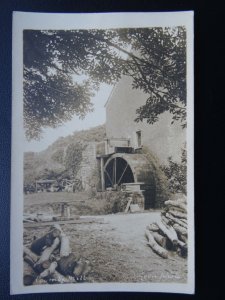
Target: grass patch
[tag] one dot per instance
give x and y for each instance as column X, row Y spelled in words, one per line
column 81, row 203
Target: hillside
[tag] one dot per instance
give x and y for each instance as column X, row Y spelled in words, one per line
column 36, row 164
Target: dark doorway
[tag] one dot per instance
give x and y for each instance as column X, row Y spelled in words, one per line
column 149, row 195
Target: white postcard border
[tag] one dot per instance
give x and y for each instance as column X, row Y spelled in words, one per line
column 21, row 21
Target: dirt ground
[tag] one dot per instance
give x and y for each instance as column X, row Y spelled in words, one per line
column 117, row 249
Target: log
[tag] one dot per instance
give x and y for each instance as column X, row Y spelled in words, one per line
column 30, row 217
column 166, row 221
column 40, row 217
column 65, row 249
column 29, row 253
column 182, row 237
column 178, row 214
column 81, row 270
column 153, row 227
column 28, row 221
column 78, row 269
column 58, row 227
column 46, row 240
column 156, row 247
column 128, row 205
column 44, row 218
column 61, row 219
column 179, row 196
column 29, row 275
column 50, row 270
column 182, row 249
column 172, row 208
column 37, row 268
column 176, row 203
column 176, row 220
column 181, row 244
column 39, row 281
column 86, row 270
column 183, row 252
column 46, row 264
column 57, row 278
column 161, row 240
column 29, row 260
column 184, row 221
column 48, row 251
column 169, row 232
column 81, row 220
column 66, row 264
column 179, row 229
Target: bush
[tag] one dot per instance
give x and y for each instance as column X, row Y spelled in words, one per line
column 176, row 172
column 58, row 156
column 116, row 201
column 73, row 157
column 162, row 192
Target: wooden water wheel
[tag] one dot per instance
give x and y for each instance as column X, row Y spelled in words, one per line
column 127, row 168
column 117, row 171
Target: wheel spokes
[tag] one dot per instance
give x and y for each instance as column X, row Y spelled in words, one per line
column 122, row 174
column 109, row 177
column 114, row 170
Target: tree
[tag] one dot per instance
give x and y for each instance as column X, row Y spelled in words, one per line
column 177, row 173
column 73, row 158
column 49, row 174
column 58, row 156
column 63, row 70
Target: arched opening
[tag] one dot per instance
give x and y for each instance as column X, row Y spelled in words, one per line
column 135, row 173
column 116, row 172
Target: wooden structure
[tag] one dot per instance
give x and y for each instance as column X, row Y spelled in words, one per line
column 125, row 169
column 44, row 185
column 113, row 145
column 68, row 185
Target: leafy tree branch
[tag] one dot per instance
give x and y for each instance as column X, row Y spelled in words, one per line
column 64, row 68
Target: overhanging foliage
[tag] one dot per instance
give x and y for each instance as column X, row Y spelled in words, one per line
column 63, row 70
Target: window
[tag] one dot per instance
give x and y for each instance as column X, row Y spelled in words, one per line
column 138, row 138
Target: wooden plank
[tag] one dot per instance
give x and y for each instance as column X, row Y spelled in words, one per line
column 78, row 221
column 108, row 177
column 122, row 174
column 102, row 174
column 128, row 205
column 115, row 172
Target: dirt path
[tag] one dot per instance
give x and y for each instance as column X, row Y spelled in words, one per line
column 122, row 254
column 130, row 228
column 117, row 248
column 118, row 251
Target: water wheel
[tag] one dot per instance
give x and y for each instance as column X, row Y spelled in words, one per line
column 117, row 171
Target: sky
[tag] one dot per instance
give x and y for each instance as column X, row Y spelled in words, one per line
column 95, row 118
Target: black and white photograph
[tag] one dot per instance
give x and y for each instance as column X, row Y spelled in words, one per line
column 102, row 192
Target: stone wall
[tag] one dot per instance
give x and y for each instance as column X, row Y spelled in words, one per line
column 88, row 173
